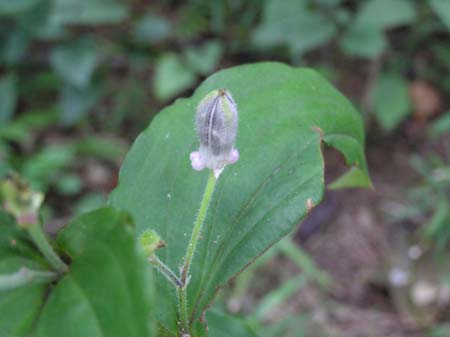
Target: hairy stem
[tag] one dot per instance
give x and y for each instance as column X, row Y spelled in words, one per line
column 25, row 276
column 165, row 270
column 209, row 189
column 46, row 249
column 198, row 224
column 183, row 308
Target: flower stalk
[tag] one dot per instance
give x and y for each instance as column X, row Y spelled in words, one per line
column 216, row 126
column 40, row 239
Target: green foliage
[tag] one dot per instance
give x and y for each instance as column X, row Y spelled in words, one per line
column 391, row 100
column 8, row 95
column 247, row 281
column 295, row 24
column 222, row 325
column 440, row 126
column 442, row 10
column 175, row 74
column 365, row 35
column 151, row 28
column 93, row 12
column 19, row 307
column 105, row 261
column 255, row 202
column 172, row 77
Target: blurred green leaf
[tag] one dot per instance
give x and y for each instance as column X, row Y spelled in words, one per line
column 8, row 96
column 75, row 103
column 75, row 62
column 385, row 14
column 365, row 42
column 280, row 294
column 151, row 29
column 92, row 12
column 46, row 166
column 105, row 292
column 171, row 77
column 89, row 202
column 104, row 148
column 13, row 47
column 442, row 9
column 391, row 100
column 204, row 59
column 69, row 184
column 364, row 37
column 304, row 262
column 440, row 126
column 222, row 325
column 292, row 23
column 14, row 7
column 437, row 228
column 22, row 127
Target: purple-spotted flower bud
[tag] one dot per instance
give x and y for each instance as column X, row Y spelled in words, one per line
column 216, row 124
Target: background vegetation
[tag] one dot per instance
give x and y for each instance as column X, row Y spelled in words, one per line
column 80, row 79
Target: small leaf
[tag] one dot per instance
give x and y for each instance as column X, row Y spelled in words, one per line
column 151, row 29
column 204, row 59
column 75, row 103
column 294, row 24
column 385, row 14
column 104, row 293
column 172, row 77
column 353, row 178
column 391, row 100
column 75, row 62
column 442, row 10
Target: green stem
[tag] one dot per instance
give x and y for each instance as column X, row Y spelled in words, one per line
column 209, row 189
column 25, row 276
column 165, row 270
column 182, row 302
column 46, row 249
column 182, row 291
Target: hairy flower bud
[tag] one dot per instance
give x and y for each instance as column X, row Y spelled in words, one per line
column 216, row 126
column 150, row 241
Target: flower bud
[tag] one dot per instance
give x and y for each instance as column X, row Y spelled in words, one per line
column 216, row 126
column 150, row 241
column 21, row 201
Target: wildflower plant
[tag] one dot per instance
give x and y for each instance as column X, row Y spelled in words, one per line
column 199, row 214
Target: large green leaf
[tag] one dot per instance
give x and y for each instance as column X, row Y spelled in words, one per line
column 104, row 292
column 285, row 114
